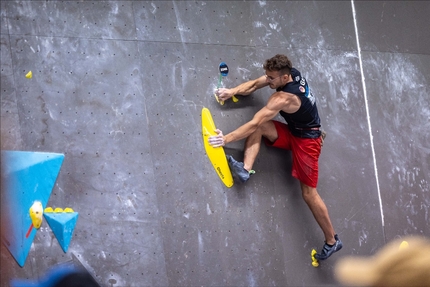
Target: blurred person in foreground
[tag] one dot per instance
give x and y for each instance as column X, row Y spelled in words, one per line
column 402, row 262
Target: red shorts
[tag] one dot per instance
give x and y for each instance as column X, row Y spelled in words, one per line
column 305, row 153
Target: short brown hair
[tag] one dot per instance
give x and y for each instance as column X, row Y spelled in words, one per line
column 279, row 63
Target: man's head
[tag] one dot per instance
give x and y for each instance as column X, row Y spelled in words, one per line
column 278, row 70
column 279, row 63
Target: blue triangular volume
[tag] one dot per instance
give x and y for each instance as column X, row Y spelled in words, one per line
column 62, row 224
column 26, row 177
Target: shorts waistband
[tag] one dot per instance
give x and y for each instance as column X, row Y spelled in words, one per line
column 309, row 129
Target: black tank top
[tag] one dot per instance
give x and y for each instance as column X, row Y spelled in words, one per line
column 304, row 123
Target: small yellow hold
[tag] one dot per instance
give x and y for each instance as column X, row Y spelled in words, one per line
column 235, row 100
column 48, row 210
column 29, row 75
column 216, row 98
column 36, row 214
column 59, row 210
column 314, row 260
column 403, row 245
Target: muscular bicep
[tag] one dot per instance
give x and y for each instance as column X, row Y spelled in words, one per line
column 264, row 115
column 277, row 102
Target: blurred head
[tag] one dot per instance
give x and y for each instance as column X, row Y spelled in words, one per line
column 62, row 275
column 400, row 263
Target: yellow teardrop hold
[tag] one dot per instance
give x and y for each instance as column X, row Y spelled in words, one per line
column 68, row 209
column 36, row 214
column 58, row 209
column 29, row 75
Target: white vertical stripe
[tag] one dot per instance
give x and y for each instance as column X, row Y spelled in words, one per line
column 363, row 81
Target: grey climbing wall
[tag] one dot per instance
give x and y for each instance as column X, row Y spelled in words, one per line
column 118, row 87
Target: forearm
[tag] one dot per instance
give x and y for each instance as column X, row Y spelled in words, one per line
column 261, row 117
column 249, row 87
column 241, row 132
column 244, row 89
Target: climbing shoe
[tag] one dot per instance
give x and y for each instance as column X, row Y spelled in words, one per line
column 238, row 170
column 328, row 250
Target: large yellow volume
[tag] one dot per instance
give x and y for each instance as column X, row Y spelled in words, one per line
column 215, row 154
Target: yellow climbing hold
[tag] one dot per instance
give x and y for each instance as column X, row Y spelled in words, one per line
column 36, row 214
column 59, row 210
column 48, row 210
column 403, row 245
column 314, row 260
column 29, row 75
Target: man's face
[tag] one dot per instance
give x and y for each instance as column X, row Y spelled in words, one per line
column 275, row 79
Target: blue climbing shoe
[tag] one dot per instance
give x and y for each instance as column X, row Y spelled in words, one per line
column 238, row 170
column 328, row 250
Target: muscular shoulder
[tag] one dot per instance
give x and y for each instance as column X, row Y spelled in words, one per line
column 284, row 101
